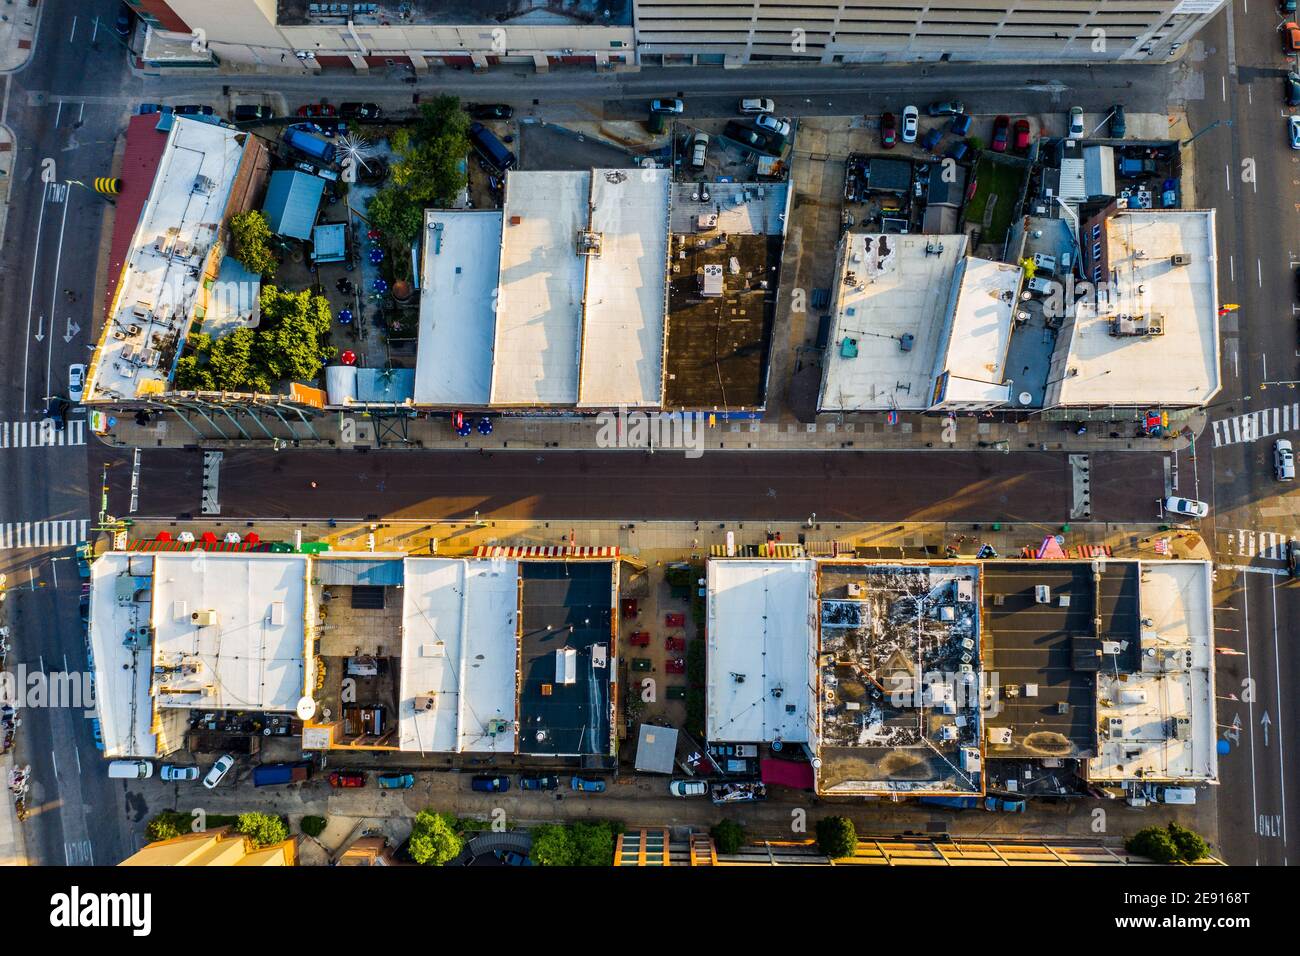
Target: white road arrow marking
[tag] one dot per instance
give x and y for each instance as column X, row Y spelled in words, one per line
column 73, row 329
column 1264, row 722
column 40, row 335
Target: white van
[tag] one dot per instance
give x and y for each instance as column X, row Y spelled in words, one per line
column 1184, row 796
column 130, row 769
column 757, row 105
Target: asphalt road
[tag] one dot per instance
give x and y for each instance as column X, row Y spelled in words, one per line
column 63, row 110
column 1247, row 172
column 630, row 486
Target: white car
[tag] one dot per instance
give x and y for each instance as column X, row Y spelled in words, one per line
column 688, row 788
column 667, row 106
column 769, row 122
column 911, row 122
column 1076, row 122
column 172, row 772
column 76, row 382
column 1186, row 506
column 757, row 105
column 1283, row 460
column 1293, row 131
column 218, row 771
column 699, row 150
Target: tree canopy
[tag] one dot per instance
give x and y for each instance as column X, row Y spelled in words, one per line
column 427, row 170
column 250, row 236
column 264, row 829
column 728, row 836
column 1171, row 844
column 434, row 840
column 837, row 837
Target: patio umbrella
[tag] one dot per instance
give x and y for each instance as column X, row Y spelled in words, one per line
column 464, row 430
column 252, row 538
column 345, row 316
column 376, row 256
column 186, row 537
column 231, row 537
column 163, row 536
column 379, row 285
column 349, row 357
column 209, row 538
column 485, row 426
column 373, row 234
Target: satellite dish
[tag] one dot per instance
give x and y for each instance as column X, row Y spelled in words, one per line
column 306, row 708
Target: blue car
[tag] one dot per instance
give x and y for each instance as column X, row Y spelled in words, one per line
column 549, row 782
column 511, row 858
column 396, row 781
column 931, row 139
column 486, row 784
column 97, row 732
column 961, row 124
column 958, row 151
column 587, row 786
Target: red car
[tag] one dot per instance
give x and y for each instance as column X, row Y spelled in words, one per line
column 1001, row 133
column 315, row 110
column 347, row 778
column 888, row 130
column 1022, row 134
column 676, row 666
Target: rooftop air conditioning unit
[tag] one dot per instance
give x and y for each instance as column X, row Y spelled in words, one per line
column 1180, row 259
column 425, row 702
column 203, row 618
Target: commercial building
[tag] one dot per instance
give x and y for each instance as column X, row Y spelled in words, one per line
column 200, row 175
column 918, row 324
column 899, row 31
column 411, row 34
column 220, row 847
column 1150, row 334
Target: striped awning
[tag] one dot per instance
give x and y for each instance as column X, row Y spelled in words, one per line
column 543, row 551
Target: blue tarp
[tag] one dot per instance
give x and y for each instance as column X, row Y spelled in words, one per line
column 292, row 200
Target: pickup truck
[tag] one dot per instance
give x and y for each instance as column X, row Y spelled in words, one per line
column 1136, row 167
column 275, row 774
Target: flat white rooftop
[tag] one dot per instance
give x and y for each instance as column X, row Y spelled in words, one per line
column 974, row 353
column 120, row 601
column 1178, row 368
column 160, row 283
column 1157, row 724
column 458, row 278
column 761, row 637
column 231, row 630
column 459, row 652
column 625, row 300
column 539, row 306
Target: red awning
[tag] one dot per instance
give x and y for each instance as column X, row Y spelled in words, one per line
column 787, row 773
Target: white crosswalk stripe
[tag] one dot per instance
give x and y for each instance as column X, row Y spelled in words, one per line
column 1253, row 426
column 79, row 853
column 42, row 534
column 41, row 434
column 1246, row 543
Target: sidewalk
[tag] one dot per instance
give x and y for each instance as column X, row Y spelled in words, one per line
column 830, row 433
column 19, row 20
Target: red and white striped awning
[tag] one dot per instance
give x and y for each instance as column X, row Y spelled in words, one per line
column 543, row 551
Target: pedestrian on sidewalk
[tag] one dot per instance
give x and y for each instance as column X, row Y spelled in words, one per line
column 313, row 484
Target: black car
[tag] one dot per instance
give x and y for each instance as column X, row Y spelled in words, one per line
column 248, row 113
column 1293, row 559
column 56, row 411
column 546, row 782
column 1293, row 89
column 125, row 20
column 491, row 111
column 193, row 109
column 946, row 108
column 365, row 112
column 1118, row 125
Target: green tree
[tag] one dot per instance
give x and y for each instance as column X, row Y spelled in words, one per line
column 433, row 839
column 837, row 837
column 232, row 366
column 593, row 843
column 288, row 344
column 397, row 215
column 312, row 826
column 192, row 374
column 250, row 237
column 552, row 846
column 728, row 836
column 1189, row 844
column 428, row 170
column 264, row 829
column 1154, row 843
column 165, row 826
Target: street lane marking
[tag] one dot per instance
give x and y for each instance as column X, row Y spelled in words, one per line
column 41, row 434
column 1247, row 543
column 1253, row 426
column 1281, row 749
column 1275, row 572
column 42, row 534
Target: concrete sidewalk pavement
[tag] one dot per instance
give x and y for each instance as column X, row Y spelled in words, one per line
column 19, row 21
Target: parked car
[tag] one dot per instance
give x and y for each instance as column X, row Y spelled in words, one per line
column 490, row 148
column 769, row 122
column 757, row 105
column 125, row 20
column 83, row 605
column 491, row 111
column 511, row 858
column 315, row 110
column 1292, row 130
column 362, row 112
column 252, row 113
column 396, row 781
column 911, row 124
column 946, row 108
column 219, row 770
column 147, row 109
column 961, row 124
column 1292, row 89
column 1003, row 805
column 1022, row 134
column 489, row 784
column 587, row 785
column 1118, row 124
column 76, row 382
column 1001, row 134
column 888, row 131
column 171, row 772
column 1286, row 6
column 1076, row 122
column 193, row 109
column 699, row 150
column 347, row 778
column 84, row 554
column 688, row 788
column 667, row 106
column 97, row 733
column 930, row 140
column 1186, row 506
column 1290, row 37
column 1293, row 558
column 542, row 782
column 958, row 151
column 1283, row 460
